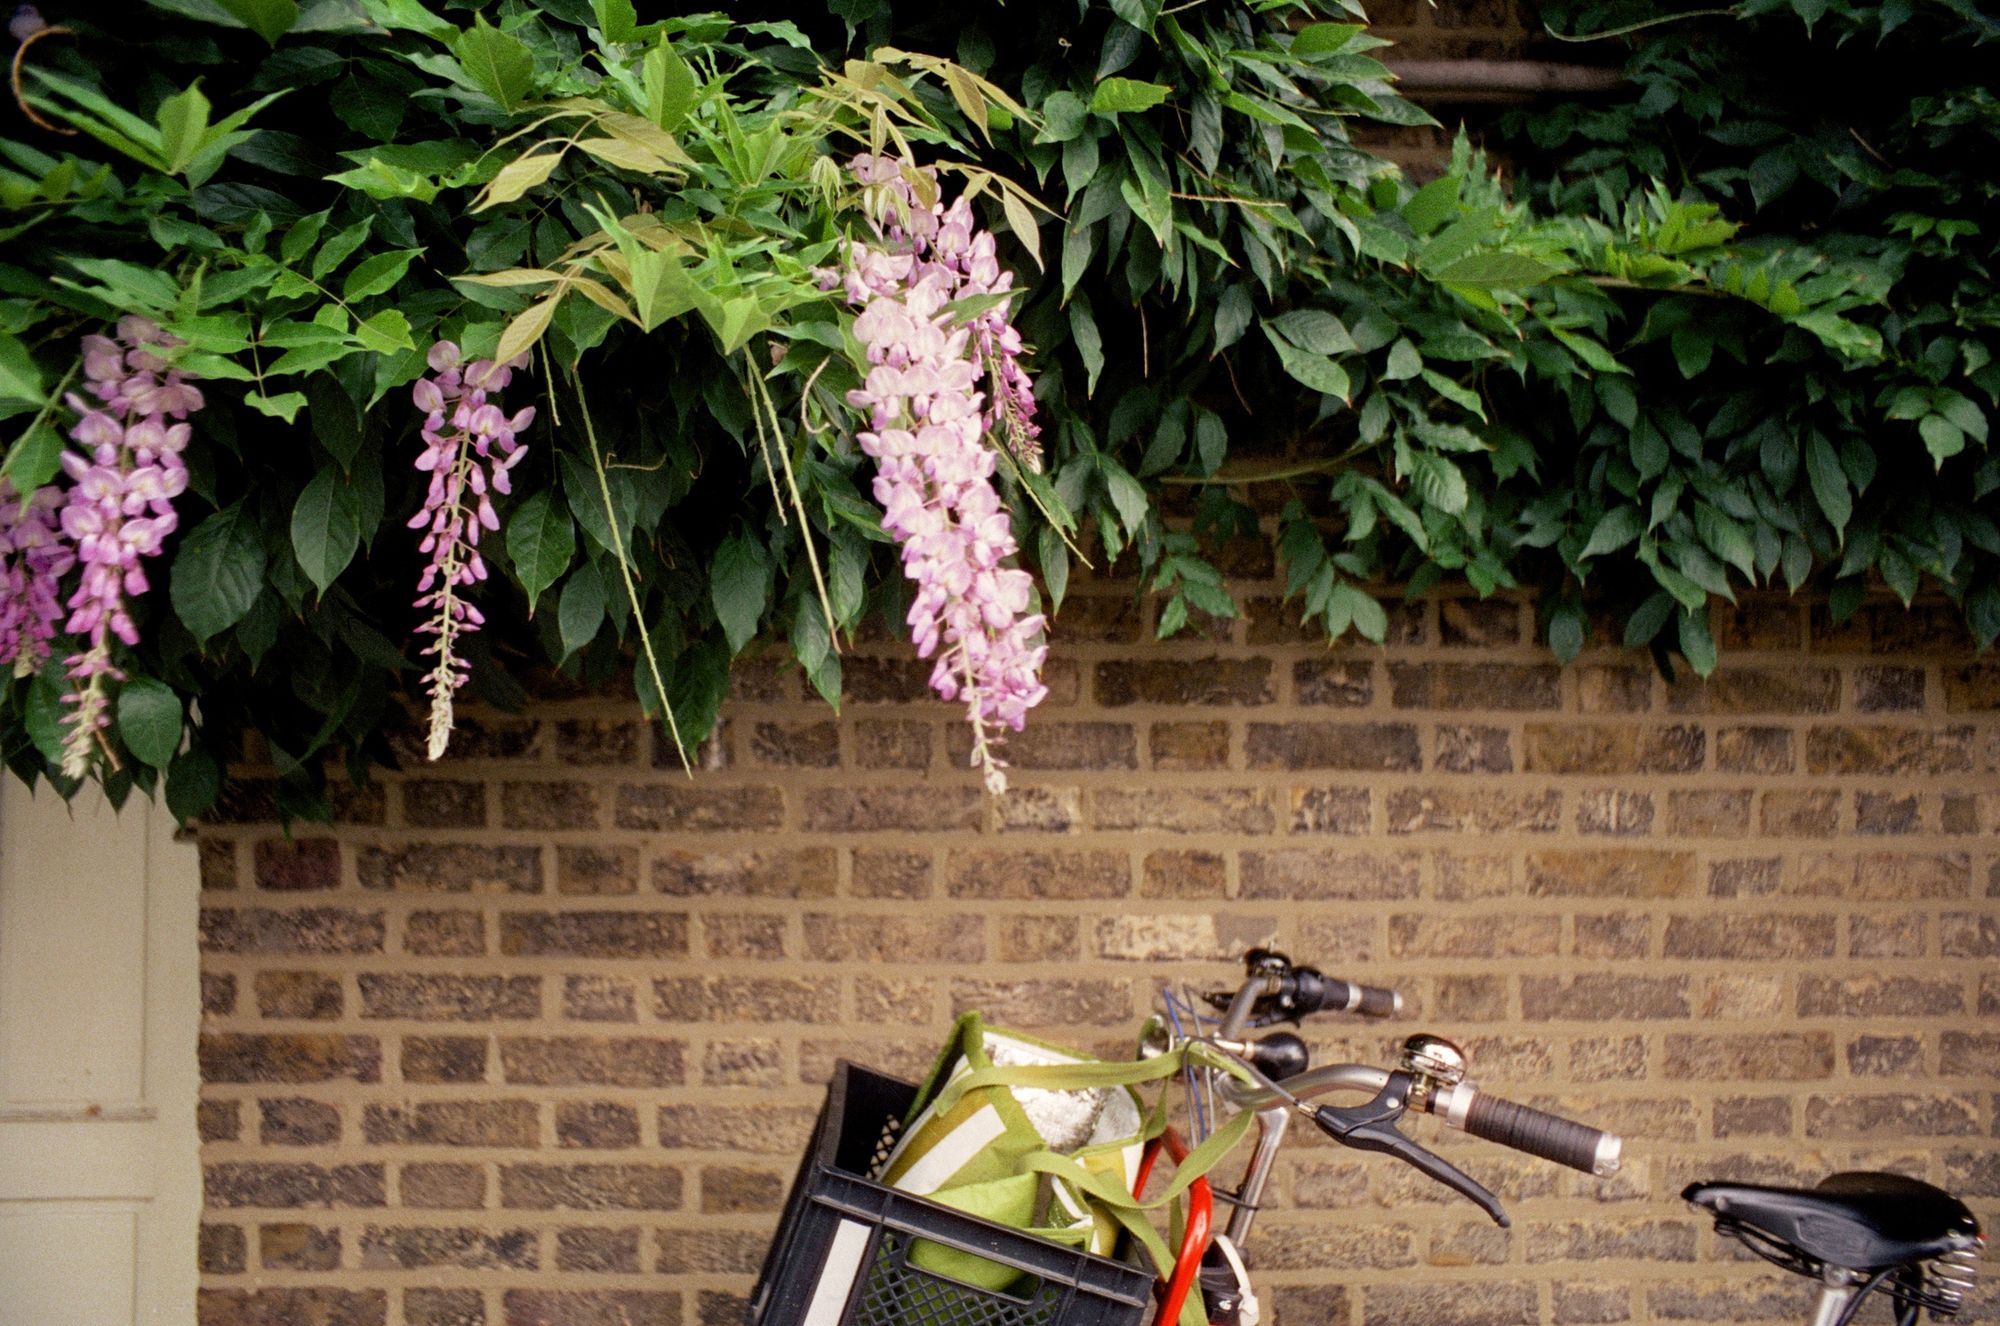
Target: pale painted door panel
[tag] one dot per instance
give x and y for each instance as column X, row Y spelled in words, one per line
column 100, row 1185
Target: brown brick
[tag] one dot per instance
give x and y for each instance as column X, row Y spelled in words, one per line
column 1038, row 809
column 1748, row 877
column 443, row 1307
column 989, row 874
column 1589, row 748
column 600, row 999
column 297, row 865
column 1975, row 688
column 1460, row 877
column 1037, row 939
column 1755, row 937
column 289, row 1057
column 1886, row 1056
column 1478, row 623
column 1895, row 936
column 732, row 1189
column 1472, row 810
column 295, row 931
column 1429, row 936
column 1969, row 935
column 1890, row 750
column 1503, row 686
column 1709, row 813
column 624, row 1061
column 1184, row 810
column 444, row 1058
column 1356, row 747
column 582, row 1187
column 1590, row 1303
column 1209, row 681
column 445, row 934
column 216, row 858
column 1181, row 747
column 1469, row 748
column 1900, row 1115
column 1602, row 998
column 771, row 1130
column 1337, row 683
column 898, row 680
column 1617, row 935
column 594, row 870
column 1754, row 625
column 1310, row 1305
column 1753, row 1116
column 1970, row 1054
column 219, row 1120
column 1613, row 689
column 451, row 868
column 439, row 1186
column 1754, row 750
column 672, row 808
column 1758, row 690
column 808, row 872
column 294, row 1121
column 1607, row 1058
column 1471, row 998
column 1878, row 996
column 594, row 934
column 890, row 873
column 1157, row 938
column 298, row 994
column 1610, row 873
column 450, row 998
column 871, row 809
column 270, row 1184
column 1052, row 1003
column 751, row 936
column 747, row 1062
column 613, row 1251
column 1888, row 689
column 892, row 743
column 911, row 999
column 1056, row 746
column 1765, row 1056
column 444, row 803
column 320, row 1306
column 590, row 1307
column 596, row 1124
column 1770, row 1297
column 1336, row 810
column 1315, row 874
column 1318, row 1244
column 1799, row 814
column 218, row 994
column 389, row 1247
column 494, row 1123
column 874, row 939
column 795, row 745
column 220, row 1250
column 1190, row 874
column 1608, row 1240
column 710, row 1251
column 1610, row 813
column 1498, row 1303
column 1896, row 876
column 754, row 999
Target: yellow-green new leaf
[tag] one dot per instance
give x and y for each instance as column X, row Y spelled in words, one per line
column 526, row 328
column 530, row 170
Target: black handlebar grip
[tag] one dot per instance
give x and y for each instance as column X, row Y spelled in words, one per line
column 1546, row 1135
column 1313, row 993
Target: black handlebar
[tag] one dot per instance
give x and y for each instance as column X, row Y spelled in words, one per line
column 1313, row 992
column 1538, row 1133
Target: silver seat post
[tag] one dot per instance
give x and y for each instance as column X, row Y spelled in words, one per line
column 1837, row 1290
column 1272, row 1121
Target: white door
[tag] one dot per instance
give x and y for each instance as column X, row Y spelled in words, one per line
column 100, row 1181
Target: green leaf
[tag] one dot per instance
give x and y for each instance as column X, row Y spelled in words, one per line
column 1567, row 631
column 217, row 573
column 269, row 19
column 1726, row 539
column 1646, row 621
column 1496, row 270
column 1697, row 645
column 1942, row 438
column 1089, row 343
column 738, row 585
column 20, row 376
column 149, row 720
column 287, row 405
column 1127, row 495
column 1315, row 371
column 183, row 121
column 1324, row 38
column 528, row 171
column 34, row 458
column 374, row 275
column 1616, row 528
column 499, row 64
column 581, row 609
column 1313, row 330
column 326, row 528
column 541, row 540
column 340, row 248
column 194, row 781
column 671, row 87
column 616, row 19
column 1116, row 96
column 1829, row 482
column 1404, row 361
column 1432, row 205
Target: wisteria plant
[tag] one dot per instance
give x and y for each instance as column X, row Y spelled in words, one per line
column 631, row 346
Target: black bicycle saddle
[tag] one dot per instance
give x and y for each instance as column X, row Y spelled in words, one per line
column 1862, row 1221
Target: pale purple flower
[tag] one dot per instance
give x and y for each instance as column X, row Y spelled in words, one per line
column 33, row 558
column 470, row 451
column 927, row 429
column 120, row 505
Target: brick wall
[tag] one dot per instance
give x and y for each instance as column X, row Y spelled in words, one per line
column 534, row 1036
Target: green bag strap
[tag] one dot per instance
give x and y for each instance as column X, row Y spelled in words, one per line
column 1088, row 1075
column 1199, row 1161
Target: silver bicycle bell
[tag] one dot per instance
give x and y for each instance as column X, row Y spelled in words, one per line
column 1433, row 1059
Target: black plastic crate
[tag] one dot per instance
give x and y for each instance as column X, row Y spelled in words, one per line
column 841, row 1255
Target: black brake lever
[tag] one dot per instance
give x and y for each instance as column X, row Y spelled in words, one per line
column 1372, row 1127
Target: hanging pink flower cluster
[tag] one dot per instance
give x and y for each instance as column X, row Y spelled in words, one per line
column 33, row 558
column 934, row 470
column 918, row 240
column 470, row 452
column 120, row 504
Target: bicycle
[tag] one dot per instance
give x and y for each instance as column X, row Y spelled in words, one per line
column 1856, row 1233
column 842, row 1256
column 1430, row 1077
